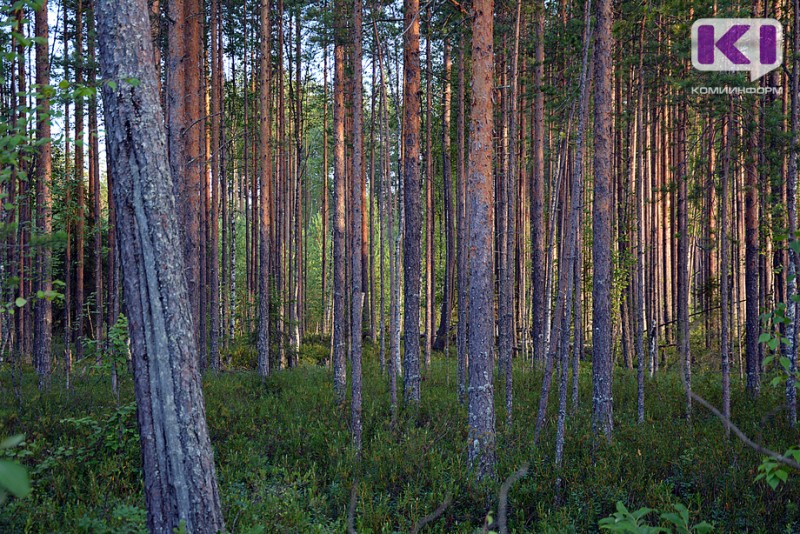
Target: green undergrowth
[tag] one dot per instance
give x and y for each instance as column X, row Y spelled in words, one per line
column 284, row 463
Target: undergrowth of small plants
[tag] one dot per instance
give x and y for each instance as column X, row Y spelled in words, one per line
column 284, row 463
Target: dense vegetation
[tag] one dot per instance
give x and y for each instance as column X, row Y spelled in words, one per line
column 494, row 265
column 284, row 463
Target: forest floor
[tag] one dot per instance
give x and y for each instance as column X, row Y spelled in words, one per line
column 284, row 462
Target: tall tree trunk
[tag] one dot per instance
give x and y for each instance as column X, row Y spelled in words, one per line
column 683, row 260
column 177, row 459
column 80, row 217
column 182, row 108
column 411, row 206
column 540, row 300
column 602, row 362
column 43, row 307
column 216, row 177
column 507, row 276
column 462, row 222
column 443, row 334
column 325, row 213
column 339, row 192
column 571, row 242
column 67, row 324
column 429, row 225
column 793, row 329
column 265, row 155
column 94, row 185
column 357, row 292
column 480, row 212
column 724, row 262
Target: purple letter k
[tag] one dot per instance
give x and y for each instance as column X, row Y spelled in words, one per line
column 726, row 44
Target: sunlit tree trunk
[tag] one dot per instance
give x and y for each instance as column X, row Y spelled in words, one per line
column 480, row 212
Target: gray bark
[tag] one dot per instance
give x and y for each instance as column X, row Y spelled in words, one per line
column 177, row 460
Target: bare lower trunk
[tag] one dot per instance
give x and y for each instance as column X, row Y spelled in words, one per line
column 480, row 212
column 265, row 198
column 411, row 206
column 43, row 307
column 177, row 460
column 602, row 408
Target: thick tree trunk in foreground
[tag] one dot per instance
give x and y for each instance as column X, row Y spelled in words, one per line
column 602, row 363
column 412, row 207
column 480, row 212
column 178, row 463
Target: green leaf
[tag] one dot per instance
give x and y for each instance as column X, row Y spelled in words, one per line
column 765, row 337
column 20, row 302
column 14, row 478
column 12, row 441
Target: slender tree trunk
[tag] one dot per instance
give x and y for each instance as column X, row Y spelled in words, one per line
column 264, row 219
column 357, row 292
column 339, row 178
column 325, row 213
column 443, row 334
column 80, row 218
column 752, row 264
column 683, row 261
column 723, row 284
column 177, row 459
column 68, row 223
column 462, row 222
column 411, row 206
column 429, row 225
column 94, row 184
column 571, row 243
column 793, row 329
column 43, row 307
column 216, row 177
column 480, row 212
column 540, row 299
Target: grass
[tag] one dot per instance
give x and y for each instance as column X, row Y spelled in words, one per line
column 284, row 463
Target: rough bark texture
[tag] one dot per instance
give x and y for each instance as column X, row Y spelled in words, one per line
column 480, row 211
column 43, row 308
column 177, row 460
column 751, row 252
column 602, row 407
column 411, row 207
column 357, row 298
column 791, row 194
column 538, row 229
column 339, row 192
column 264, row 205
